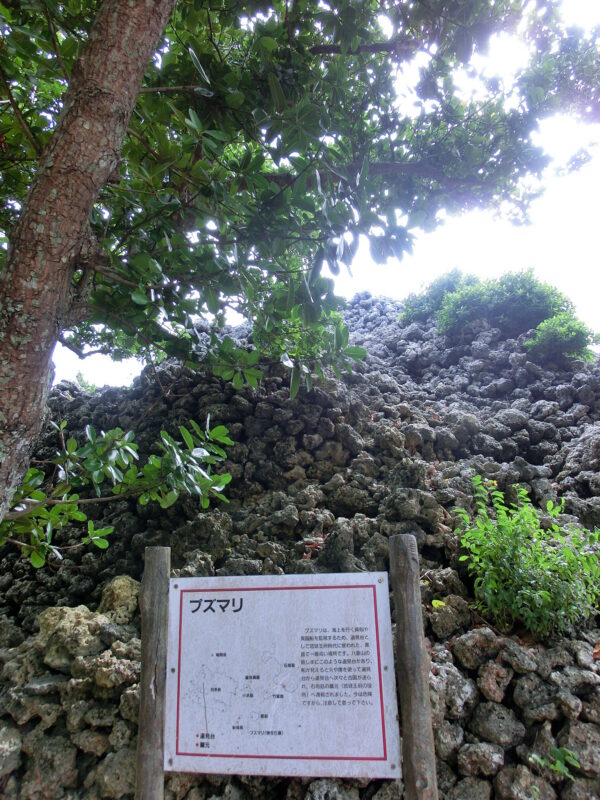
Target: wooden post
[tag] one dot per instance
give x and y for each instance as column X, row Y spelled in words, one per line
column 154, row 605
column 412, row 670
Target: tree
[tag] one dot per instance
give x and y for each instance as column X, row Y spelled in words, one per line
column 163, row 162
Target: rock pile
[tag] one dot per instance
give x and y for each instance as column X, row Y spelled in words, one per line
column 319, row 484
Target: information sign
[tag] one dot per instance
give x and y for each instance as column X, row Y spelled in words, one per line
column 282, row 675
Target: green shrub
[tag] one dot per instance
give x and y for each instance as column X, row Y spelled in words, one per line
column 419, row 307
column 561, row 337
column 545, row 579
column 514, row 303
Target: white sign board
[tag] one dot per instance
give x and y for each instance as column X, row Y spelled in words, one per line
column 282, row 675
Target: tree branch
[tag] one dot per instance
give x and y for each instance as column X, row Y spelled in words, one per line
column 191, row 87
column 79, row 502
column 20, row 118
column 77, row 350
column 55, row 43
column 399, row 46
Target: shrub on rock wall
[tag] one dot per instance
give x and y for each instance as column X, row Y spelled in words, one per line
column 418, row 307
column 548, row 580
column 514, row 303
column 560, row 338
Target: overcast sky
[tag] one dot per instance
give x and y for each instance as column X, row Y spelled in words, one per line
column 560, row 243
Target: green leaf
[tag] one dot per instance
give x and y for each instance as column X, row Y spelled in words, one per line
column 99, row 542
column 268, row 44
column 276, row 91
column 37, row 559
column 139, row 296
column 187, row 437
column 194, row 120
column 235, row 99
column 357, row 353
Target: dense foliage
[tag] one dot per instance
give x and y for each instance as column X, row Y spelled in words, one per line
column 266, row 139
column 545, row 578
column 419, row 306
column 514, row 303
column 561, row 338
column 57, row 493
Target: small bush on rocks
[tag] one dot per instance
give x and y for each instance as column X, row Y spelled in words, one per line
column 560, row 338
column 514, row 303
column 418, row 307
column 547, row 580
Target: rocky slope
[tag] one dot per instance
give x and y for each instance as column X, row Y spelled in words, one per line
column 320, row 483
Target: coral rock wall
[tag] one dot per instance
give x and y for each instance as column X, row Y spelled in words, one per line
column 320, row 483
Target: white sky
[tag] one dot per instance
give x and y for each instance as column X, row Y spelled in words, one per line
column 560, row 243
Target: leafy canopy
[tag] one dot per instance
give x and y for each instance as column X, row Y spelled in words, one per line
column 267, row 138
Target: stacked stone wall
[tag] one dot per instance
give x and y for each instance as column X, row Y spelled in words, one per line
column 319, row 485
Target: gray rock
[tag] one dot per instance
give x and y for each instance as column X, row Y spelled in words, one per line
column 480, row 759
column 513, row 419
column 45, row 684
column 470, row 789
column 443, row 582
column 51, row 766
column 115, row 775
column 452, row 694
column 554, row 657
column 448, row 737
column 497, row 724
column 518, row 783
column 583, row 738
column 475, row 647
column 536, row 699
column 591, row 707
column 10, row 749
column 453, row 616
column 69, row 632
column 331, row 790
column 578, row 681
column 129, row 703
column 521, row 659
column 349, row 438
column 581, row 789
column 493, row 679
column 390, row 791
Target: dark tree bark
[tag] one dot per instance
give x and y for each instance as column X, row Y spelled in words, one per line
column 53, row 237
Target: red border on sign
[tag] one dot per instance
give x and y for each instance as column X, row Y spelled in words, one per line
column 280, row 757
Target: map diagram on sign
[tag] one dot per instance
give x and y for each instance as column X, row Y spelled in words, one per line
column 248, row 695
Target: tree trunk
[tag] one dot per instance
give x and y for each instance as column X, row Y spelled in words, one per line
column 53, row 237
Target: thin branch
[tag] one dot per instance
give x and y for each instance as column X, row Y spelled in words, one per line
column 77, row 350
column 398, row 46
column 192, row 87
column 81, row 501
column 147, row 146
column 55, row 43
column 211, row 35
column 20, row 118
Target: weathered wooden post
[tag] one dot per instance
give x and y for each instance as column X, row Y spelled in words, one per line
column 418, row 753
column 154, row 605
